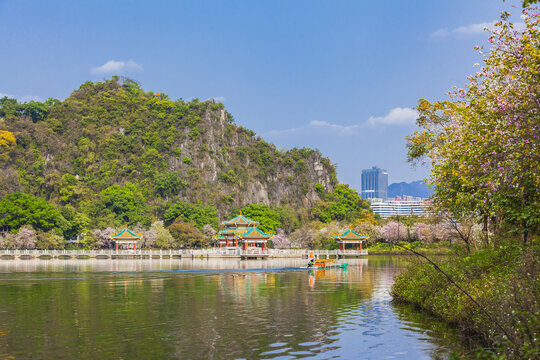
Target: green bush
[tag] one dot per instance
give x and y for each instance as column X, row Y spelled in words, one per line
column 504, row 281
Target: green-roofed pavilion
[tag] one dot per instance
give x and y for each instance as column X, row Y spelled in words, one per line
column 240, row 221
column 126, row 239
column 242, row 232
column 350, row 237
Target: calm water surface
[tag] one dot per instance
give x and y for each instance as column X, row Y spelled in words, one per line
column 210, row 309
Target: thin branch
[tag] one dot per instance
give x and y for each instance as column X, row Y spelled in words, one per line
column 460, row 288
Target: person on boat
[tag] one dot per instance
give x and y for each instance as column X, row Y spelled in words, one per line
column 311, row 261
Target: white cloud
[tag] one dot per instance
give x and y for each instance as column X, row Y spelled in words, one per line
column 439, row 33
column 342, row 129
column 113, row 66
column 286, row 131
column 472, row 29
column 316, row 124
column 23, row 98
column 396, row 116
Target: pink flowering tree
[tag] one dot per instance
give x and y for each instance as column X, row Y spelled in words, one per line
column 25, row 238
column 484, row 143
column 149, row 236
column 424, row 233
column 102, row 237
column 394, row 232
column 442, row 232
column 7, row 240
column 281, row 240
column 302, row 238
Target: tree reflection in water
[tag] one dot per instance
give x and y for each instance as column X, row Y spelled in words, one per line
column 210, row 309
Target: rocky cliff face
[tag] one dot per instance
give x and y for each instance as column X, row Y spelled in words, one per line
column 112, row 132
column 237, row 162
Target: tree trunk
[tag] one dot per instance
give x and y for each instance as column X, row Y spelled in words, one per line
column 485, row 231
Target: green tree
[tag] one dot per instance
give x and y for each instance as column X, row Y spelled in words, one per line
column 186, row 234
column 169, row 184
column 198, row 213
column 78, row 222
column 37, row 111
column 127, row 203
column 8, row 107
column 19, row 209
column 164, row 239
column 49, row 240
column 343, row 203
column 267, row 217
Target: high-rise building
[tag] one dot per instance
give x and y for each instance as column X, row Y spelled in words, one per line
column 374, row 183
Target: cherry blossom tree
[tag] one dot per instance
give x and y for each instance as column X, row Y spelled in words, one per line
column 7, row 240
column 149, row 236
column 102, row 237
column 424, row 233
column 302, row 238
column 394, row 232
column 25, row 238
column 281, row 240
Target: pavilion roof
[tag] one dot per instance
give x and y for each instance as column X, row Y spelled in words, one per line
column 351, row 235
column 251, row 233
column 233, row 231
column 240, row 220
column 126, row 234
column 256, row 233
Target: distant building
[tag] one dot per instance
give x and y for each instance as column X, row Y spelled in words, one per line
column 374, row 183
column 402, row 206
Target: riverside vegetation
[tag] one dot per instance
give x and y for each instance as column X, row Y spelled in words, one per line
column 484, row 149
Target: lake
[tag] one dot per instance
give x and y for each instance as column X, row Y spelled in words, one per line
column 211, row 309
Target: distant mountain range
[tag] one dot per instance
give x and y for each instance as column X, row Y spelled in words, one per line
column 415, row 188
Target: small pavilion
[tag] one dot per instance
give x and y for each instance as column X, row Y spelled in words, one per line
column 242, row 232
column 126, row 239
column 350, row 237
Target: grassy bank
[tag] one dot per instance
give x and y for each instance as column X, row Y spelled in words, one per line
column 438, row 248
column 504, row 281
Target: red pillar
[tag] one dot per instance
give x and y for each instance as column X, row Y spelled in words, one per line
column 227, row 242
column 220, row 244
column 135, row 245
column 360, row 245
column 117, row 246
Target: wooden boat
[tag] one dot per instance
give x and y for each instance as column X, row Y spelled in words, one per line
column 327, row 264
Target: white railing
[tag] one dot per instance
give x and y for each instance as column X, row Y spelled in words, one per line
column 185, row 252
column 90, row 252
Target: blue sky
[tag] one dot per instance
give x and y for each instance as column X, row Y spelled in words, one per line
column 340, row 76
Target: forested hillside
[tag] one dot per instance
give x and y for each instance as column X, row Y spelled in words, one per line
column 113, row 154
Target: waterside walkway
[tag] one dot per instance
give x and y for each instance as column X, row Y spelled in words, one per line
column 256, row 253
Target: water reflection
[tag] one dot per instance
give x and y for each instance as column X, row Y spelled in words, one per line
column 220, row 309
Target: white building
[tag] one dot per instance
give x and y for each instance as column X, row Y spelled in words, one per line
column 402, row 206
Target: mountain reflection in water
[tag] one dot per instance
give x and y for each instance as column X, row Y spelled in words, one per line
column 210, row 309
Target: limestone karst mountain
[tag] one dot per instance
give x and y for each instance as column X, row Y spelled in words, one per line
column 112, row 134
